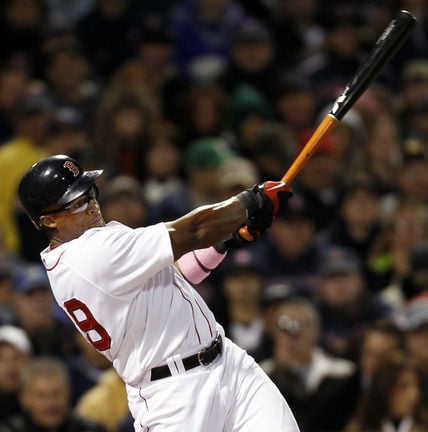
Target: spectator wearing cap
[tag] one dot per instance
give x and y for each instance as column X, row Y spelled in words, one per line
column 381, row 151
column 238, row 306
column 49, row 331
column 204, row 112
column 68, row 74
column 202, row 159
column 346, row 304
column 331, row 67
column 252, row 61
column 204, row 33
column 413, row 94
column 27, row 146
column 163, row 170
column 15, row 352
column 122, row 200
column 320, row 179
column 274, row 148
column 155, row 63
column 347, row 138
column 155, row 46
column 21, row 30
column 290, row 253
column 301, row 368
column 296, row 29
column 402, row 229
column 296, row 103
column 358, row 220
column 236, row 174
column 412, row 176
column 418, row 121
column 272, row 297
column 107, row 34
column 68, row 133
column 250, row 112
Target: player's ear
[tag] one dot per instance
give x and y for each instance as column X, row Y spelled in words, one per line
column 48, row 221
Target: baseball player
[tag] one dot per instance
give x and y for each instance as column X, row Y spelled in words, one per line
column 129, row 292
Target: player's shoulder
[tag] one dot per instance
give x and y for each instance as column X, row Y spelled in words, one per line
column 114, row 233
column 108, row 240
column 106, row 234
column 111, row 228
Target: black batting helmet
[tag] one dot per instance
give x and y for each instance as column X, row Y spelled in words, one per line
column 55, row 180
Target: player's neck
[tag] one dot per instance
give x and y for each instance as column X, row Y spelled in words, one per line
column 55, row 242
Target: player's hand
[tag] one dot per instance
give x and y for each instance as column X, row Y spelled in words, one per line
column 265, row 199
column 278, row 193
column 256, row 225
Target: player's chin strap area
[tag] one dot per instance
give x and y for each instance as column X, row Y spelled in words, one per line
column 202, row 358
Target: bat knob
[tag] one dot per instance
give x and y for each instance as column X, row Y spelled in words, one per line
column 245, row 234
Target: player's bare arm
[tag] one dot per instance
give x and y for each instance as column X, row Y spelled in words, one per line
column 209, row 225
column 206, row 226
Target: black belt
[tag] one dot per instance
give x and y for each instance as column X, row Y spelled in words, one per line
column 202, row 358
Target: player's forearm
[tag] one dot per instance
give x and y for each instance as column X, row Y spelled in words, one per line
column 206, row 226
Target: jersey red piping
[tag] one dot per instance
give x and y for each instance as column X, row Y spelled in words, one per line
column 51, row 268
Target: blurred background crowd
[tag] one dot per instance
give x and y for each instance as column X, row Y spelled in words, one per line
column 185, row 103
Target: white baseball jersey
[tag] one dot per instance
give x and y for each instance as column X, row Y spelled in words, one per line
column 120, row 288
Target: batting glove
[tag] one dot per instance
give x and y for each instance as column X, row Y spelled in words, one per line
column 262, row 203
column 265, row 199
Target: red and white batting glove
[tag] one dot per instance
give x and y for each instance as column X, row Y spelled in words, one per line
column 265, row 199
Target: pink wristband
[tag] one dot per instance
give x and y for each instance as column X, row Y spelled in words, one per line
column 209, row 257
column 190, row 268
column 194, row 265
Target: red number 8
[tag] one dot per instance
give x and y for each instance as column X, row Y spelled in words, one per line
column 88, row 323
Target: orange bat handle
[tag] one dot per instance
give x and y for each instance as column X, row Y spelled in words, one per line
column 324, row 129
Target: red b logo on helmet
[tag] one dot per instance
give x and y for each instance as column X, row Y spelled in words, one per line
column 72, row 167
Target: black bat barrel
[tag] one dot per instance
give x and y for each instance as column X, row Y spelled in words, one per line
column 386, row 46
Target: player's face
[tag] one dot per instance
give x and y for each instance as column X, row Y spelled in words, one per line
column 73, row 219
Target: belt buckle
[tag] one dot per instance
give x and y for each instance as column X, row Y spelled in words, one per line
column 216, row 342
column 201, row 360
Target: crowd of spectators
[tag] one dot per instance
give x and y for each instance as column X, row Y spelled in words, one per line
column 185, row 103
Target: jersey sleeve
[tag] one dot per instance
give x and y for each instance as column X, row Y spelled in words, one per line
column 128, row 257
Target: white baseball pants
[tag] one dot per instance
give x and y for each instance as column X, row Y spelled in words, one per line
column 232, row 394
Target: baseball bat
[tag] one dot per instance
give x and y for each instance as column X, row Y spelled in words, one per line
column 385, row 47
